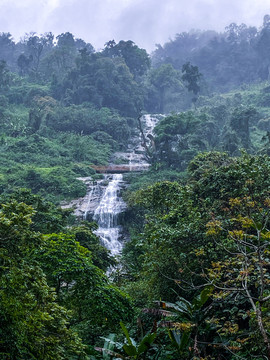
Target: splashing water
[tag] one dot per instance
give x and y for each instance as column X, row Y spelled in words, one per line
column 94, row 193
column 107, row 213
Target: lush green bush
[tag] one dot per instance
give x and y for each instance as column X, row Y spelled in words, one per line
column 185, row 237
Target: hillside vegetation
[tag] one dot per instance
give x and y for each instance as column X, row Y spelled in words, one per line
column 194, row 280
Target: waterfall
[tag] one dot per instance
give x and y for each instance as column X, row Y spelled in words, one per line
column 107, row 212
column 90, row 195
column 104, row 202
column 93, row 195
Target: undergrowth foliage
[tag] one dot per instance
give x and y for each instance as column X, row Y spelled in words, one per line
column 194, row 276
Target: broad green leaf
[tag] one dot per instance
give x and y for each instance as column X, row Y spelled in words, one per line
column 125, row 331
column 184, row 340
column 201, row 299
column 130, row 350
column 146, row 343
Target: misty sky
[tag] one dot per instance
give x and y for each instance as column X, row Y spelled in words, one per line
column 146, row 22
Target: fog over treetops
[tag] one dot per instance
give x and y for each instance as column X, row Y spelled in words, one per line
column 144, row 22
column 134, row 182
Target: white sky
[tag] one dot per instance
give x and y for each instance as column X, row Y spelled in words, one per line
column 146, row 22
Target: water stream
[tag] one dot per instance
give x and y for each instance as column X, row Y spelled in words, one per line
column 94, row 193
column 107, row 213
column 111, row 204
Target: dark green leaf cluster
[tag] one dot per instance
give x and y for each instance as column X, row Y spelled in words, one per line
column 50, row 290
column 212, row 231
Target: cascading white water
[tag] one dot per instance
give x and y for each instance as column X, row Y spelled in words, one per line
column 106, row 215
column 150, row 123
column 111, row 204
column 93, row 194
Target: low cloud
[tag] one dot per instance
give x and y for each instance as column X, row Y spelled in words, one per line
column 146, row 22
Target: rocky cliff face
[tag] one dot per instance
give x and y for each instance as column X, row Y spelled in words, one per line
column 85, row 206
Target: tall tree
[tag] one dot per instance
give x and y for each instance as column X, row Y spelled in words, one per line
column 5, row 76
column 191, row 76
column 164, row 79
column 137, row 59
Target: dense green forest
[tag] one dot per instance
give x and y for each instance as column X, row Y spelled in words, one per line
column 193, row 281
